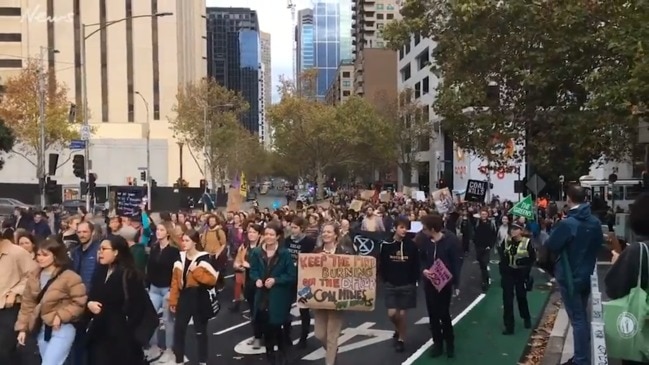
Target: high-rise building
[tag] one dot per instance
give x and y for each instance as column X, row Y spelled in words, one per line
column 266, row 61
column 134, row 67
column 342, row 88
column 368, row 18
column 332, row 24
column 304, row 37
column 234, row 56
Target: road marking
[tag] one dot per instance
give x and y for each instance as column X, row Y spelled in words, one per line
column 243, row 324
column 365, row 330
column 242, row 348
column 411, row 360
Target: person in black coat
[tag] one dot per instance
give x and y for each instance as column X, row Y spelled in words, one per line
column 117, row 303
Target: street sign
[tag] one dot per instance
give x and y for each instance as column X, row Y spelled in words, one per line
column 85, row 132
column 77, row 144
column 141, row 168
column 535, row 184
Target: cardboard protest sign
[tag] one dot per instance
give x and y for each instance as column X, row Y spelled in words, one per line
column 439, row 275
column 367, row 194
column 444, row 201
column 476, row 191
column 384, row 196
column 356, row 205
column 338, row 282
column 234, row 200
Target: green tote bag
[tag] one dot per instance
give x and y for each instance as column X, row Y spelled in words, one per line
column 625, row 321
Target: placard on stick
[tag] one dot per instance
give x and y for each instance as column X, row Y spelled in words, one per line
column 338, row 282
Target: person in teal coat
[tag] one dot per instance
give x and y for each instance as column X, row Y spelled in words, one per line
column 273, row 272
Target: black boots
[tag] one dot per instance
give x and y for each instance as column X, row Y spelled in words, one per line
column 277, row 358
column 437, row 350
column 528, row 323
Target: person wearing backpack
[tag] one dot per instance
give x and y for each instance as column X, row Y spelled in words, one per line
column 576, row 242
column 54, row 297
column 623, row 276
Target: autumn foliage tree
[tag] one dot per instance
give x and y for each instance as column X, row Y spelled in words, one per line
column 559, row 79
column 207, row 120
column 20, row 110
column 315, row 137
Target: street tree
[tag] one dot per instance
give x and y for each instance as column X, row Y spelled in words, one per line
column 7, row 140
column 410, row 128
column 518, row 79
column 20, row 110
column 207, row 121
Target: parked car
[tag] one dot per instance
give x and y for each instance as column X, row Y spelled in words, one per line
column 251, row 195
column 8, row 205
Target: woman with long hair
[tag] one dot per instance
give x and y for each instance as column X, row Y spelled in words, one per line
column 54, row 297
column 27, row 241
column 164, row 253
column 242, row 268
column 273, row 272
column 328, row 323
column 237, row 240
column 117, row 303
column 189, row 297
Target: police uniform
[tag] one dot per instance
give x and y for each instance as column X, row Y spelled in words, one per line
column 516, row 259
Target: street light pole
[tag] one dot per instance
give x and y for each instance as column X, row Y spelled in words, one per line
column 41, row 121
column 85, row 128
column 148, row 151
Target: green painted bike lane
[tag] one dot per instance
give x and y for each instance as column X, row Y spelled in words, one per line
column 478, row 335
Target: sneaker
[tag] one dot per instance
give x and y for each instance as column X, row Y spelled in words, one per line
column 153, row 353
column 395, row 338
column 528, row 323
column 436, row 351
column 166, row 358
column 450, row 351
column 508, row 331
column 256, row 344
column 400, row 346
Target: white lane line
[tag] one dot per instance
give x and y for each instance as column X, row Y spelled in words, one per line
column 414, row 357
column 229, row 276
column 236, row 326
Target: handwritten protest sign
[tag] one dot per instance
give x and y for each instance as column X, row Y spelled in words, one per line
column 439, row 275
column 340, row 282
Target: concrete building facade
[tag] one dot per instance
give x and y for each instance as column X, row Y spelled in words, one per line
column 343, row 85
column 147, row 56
column 266, row 60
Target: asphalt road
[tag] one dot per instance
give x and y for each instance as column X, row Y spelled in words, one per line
column 365, row 335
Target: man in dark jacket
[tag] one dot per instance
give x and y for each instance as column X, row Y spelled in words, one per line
column 576, row 240
column 484, row 238
column 41, row 226
column 440, row 261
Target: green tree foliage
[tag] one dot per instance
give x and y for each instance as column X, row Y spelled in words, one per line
column 566, row 73
column 207, row 120
column 7, row 140
column 19, row 109
column 313, row 138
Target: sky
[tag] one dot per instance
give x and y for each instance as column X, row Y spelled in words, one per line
column 274, row 18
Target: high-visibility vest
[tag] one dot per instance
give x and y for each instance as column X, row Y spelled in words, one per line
column 520, row 252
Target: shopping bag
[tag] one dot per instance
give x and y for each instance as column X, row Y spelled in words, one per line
column 625, row 321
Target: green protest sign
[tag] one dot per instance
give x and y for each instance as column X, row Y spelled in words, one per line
column 524, row 208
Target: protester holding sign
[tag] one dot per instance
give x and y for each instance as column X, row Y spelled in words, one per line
column 517, row 255
column 328, row 323
column 399, row 270
column 273, row 272
column 440, row 259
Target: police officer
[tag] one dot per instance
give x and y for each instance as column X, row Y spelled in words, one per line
column 516, row 258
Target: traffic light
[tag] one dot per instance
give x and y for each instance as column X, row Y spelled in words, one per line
column 92, row 182
column 84, row 188
column 143, row 175
column 50, row 186
column 441, row 183
column 203, row 184
column 154, row 183
column 79, row 166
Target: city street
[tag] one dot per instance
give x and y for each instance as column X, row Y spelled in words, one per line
column 365, row 334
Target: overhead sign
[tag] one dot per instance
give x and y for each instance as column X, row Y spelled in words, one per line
column 476, row 191
column 337, row 282
column 535, row 184
column 524, row 208
column 77, row 144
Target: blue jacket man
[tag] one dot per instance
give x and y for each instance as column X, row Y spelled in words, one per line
column 577, row 240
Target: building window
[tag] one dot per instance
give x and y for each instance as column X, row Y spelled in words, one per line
column 390, row 7
column 380, row 6
column 405, row 73
column 346, row 93
column 389, row 16
column 11, row 63
column 379, row 16
column 347, row 83
column 10, row 37
column 417, row 39
column 10, row 11
column 347, row 74
column 407, row 48
column 380, row 44
column 380, row 25
column 425, row 85
column 418, row 90
column 401, row 53
column 423, row 60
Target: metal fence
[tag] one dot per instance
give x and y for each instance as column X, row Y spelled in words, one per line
column 599, row 354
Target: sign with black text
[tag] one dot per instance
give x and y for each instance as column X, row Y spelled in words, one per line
column 476, row 191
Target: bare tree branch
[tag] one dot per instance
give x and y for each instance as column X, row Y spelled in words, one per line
column 23, row 156
column 66, row 160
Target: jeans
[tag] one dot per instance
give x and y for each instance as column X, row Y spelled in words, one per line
column 576, row 307
column 56, row 350
column 160, row 299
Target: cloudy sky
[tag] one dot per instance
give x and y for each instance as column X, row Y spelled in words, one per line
column 274, row 18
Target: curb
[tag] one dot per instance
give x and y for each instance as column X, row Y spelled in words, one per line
column 554, row 349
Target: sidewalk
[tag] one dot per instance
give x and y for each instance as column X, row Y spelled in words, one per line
column 478, row 335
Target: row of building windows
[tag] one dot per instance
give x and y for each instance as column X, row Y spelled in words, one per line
column 10, row 37
column 10, row 11
column 422, row 87
column 386, row 7
column 381, row 16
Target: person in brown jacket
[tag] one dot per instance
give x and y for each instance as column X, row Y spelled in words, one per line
column 192, row 280
column 213, row 239
column 53, row 299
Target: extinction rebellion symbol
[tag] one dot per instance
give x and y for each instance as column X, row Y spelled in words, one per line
column 627, row 325
column 364, row 245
